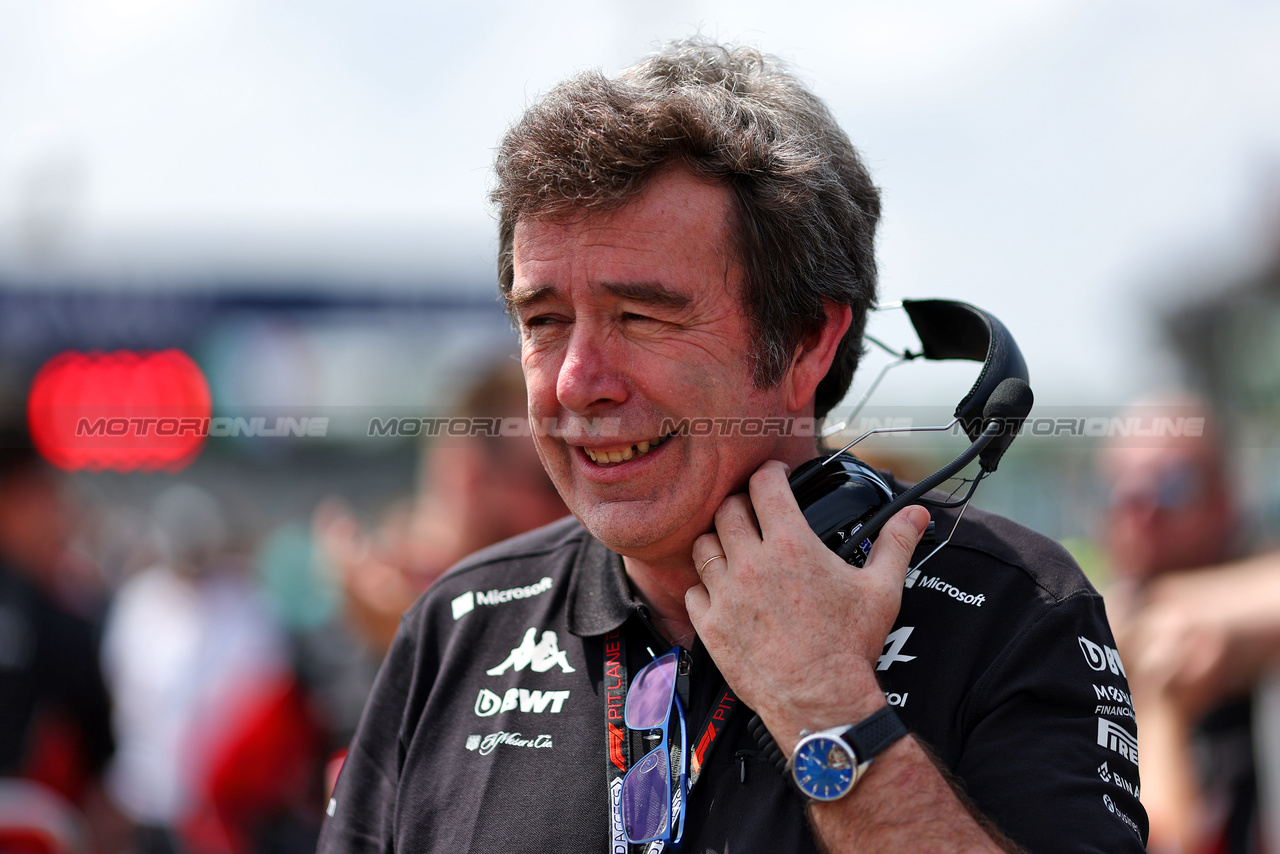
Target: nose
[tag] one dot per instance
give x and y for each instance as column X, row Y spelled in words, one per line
column 591, row 374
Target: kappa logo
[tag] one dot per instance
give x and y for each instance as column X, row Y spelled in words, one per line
column 467, row 602
column 486, row 744
column 895, row 641
column 1101, row 657
column 540, row 656
column 537, row 702
column 1116, row 738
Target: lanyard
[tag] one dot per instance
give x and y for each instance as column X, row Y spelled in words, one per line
column 618, row 759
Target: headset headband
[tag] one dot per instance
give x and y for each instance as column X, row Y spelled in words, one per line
column 949, row 329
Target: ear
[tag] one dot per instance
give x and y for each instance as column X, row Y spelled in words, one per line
column 813, row 358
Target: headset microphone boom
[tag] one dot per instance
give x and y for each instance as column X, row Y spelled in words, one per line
column 846, row 502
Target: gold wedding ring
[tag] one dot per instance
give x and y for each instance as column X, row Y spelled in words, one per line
column 708, row 560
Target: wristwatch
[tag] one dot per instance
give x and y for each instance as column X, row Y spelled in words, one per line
column 826, row 765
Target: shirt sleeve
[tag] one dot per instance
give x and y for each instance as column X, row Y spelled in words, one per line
column 1050, row 753
column 361, row 813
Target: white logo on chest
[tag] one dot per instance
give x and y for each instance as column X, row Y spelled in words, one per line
column 539, row 656
column 537, row 702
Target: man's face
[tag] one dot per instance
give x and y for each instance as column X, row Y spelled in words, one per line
column 634, row 317
column 1168, row 509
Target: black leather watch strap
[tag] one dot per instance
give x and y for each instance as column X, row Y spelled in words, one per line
column 873, row 734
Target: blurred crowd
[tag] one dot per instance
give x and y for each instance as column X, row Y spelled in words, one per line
column 166, row 687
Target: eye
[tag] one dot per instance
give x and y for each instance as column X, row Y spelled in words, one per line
column 538, row 320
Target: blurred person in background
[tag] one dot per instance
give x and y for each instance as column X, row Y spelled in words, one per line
column 215, row 742
column 474, row 490
column 55, row 713
column 1185, row 611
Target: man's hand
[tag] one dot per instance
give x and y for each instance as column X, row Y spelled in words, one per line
column 794, row 629
column 1201, row 636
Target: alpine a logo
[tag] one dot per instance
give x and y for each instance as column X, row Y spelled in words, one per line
column 467, row 602
column 1101, row 657
column 539, row 656
column 537, row 702
column 1116, row 738
column 486, row 744
column 933, row 582
column 895, row 641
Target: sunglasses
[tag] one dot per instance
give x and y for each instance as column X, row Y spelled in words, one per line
column 650, row 801
column 1171, row 489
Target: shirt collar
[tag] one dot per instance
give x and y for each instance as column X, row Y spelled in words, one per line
column 600, row 598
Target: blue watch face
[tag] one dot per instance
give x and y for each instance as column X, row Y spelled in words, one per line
column 823, row 768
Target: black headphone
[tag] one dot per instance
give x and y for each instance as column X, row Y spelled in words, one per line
column 846, row 502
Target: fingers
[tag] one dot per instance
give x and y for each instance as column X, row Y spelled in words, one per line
column 735, row 521
column 698, row 603
column 709, row 556
column 773, row 500
column 767, row 509
column 898, row 539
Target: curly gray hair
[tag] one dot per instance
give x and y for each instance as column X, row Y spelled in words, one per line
column 805, row 207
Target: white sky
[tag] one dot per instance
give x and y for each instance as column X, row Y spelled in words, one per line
column 1068, row 165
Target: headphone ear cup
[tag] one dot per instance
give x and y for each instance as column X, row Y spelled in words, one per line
column 836, row 497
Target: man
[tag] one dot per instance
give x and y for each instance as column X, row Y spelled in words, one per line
column 1198, row 626
column 694, row 240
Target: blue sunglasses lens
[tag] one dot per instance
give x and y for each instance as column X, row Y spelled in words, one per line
column 646, row 797
column 649, row 699
column 647, row 794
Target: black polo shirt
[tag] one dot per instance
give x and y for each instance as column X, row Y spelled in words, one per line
column 486, row 730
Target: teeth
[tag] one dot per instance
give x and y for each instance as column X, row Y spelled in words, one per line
column 637, row 450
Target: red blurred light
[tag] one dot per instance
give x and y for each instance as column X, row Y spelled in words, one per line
column 122, row 411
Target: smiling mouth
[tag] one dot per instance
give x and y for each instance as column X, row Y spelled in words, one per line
column 621, row 455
